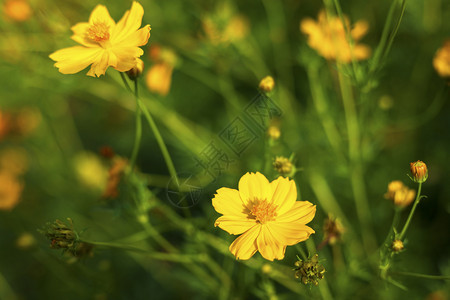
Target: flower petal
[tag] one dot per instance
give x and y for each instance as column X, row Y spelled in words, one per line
column 130, row 22
column 100, row 14
column 234, row 224
column 126, row 57
column 228, row 202
column 302, row 212
column 245, row 246
column 137, row 38
column 269, row 245
column 253, row 186
column 74, row 59
column 100, row 65
column 291, row 233
column 284, row 194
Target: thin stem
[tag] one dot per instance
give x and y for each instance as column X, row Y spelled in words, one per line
column 394, row 224
column 160, row 141
column 138, row 135
column 416, row 202
column 443, row 277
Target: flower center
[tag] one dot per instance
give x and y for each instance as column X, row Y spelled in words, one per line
column 264, row 211
column 98, row 32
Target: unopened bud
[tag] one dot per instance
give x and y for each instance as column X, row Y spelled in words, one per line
column 137, row 70
column 284, row 166
column 419, row 171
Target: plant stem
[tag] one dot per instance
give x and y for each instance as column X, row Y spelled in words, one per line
column 443, row 277
column 160, row 141
column 138, row 135
column 408, row 221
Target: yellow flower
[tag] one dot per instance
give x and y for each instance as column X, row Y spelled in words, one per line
column 328, row 38
column 441, row 60
column 105, row 43
column 266, row 214
column 10, row 190
column 159, row 78
column 267, row 84
column 401, row 195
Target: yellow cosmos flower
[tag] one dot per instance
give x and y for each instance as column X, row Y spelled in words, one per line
column 441, row 60
column 266, row 214
column 327, row 36
column 105, row 43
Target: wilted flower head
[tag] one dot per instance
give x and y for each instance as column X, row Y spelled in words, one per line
column 400, row 194
column 105, row 43
column 114, row 176
column 419, row 171
column 333, row 229
column 309, row 271
column 441, row 60
column 61, row 235
column 327, row 36
column 265, row 214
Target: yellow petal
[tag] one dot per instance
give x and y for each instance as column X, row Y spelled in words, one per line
column 284, row 194
column 101, row 14
column 137, row 38
column 359, row 30
column 234, row 224
column 126, row 57
column 253, row 186
column 269, row 245
column 130, row 22
column 291, row 233
column 74, row 59
column 228, row 202
column 79, row 35
column 100, row 65
column 245, row 246
column 301, row 211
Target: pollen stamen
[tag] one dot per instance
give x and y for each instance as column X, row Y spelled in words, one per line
column 264, row 211
column 98, row 32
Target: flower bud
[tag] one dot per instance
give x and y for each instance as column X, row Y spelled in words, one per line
column 137, row 70
column 397, row 246
column 284, row 166
column 274, row 132
column 267, row 84
column 419, row 171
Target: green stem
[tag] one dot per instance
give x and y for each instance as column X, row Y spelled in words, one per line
column 394, row 224
column 138, row 135
column 443, row 277
column 160, row 141
column 408, row 221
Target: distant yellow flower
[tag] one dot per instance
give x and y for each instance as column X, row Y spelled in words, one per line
column 10, row 190
column 105, row 43
column 159, row 78
column 17, row 10
column 267, row 84
column 267, row 216
column 328, row 38
column 400, row 194
column 441, row 61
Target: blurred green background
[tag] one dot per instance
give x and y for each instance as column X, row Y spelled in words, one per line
column 52, row 127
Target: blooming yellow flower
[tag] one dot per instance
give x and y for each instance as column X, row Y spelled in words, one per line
column 105, row 43
column 17, row 10
column 328, row 38
column 159, row 78
column 441, row 60
column 266, row 214
column 401, row 195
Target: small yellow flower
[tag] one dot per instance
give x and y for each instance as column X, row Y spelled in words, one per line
column 274, row 132
column 327, row 36
column 267, row 84
column 105, row 43
column 265, row 214
column 400, row 194
column 10, row 190
column 397, row 246
column 441, row 61
column 159, row 78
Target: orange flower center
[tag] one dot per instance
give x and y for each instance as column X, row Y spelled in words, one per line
column 264, row 211
column 98, row 32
